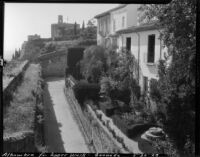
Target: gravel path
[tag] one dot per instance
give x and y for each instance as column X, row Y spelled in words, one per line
column 61, row 130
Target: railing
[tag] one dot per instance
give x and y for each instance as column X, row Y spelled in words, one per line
column 97, row 139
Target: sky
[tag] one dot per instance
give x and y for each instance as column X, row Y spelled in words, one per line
column 23, row 19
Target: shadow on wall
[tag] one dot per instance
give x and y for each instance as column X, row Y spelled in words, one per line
column 53, row 139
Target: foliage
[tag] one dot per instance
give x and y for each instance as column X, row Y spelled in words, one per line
column 33, row 48
column 93, row 64
column 84, row 91
column 177, row 81
column 87, row 42
column 20, row 114
column 107, row 85
column 154, row 90
column 89, row 32
column 50, row 48
column 120, row 94
column 124, row 71
column 165, row 147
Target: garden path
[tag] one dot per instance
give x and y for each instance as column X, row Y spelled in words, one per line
column 62, row 133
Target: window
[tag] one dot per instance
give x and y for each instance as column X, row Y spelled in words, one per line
column 151, row 48
column 128, row 43
column 123, row 21
column 114, row 25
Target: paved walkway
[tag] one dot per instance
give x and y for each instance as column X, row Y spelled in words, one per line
column 61, row 130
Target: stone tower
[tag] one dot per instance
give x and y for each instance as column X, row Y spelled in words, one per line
column 60, row 19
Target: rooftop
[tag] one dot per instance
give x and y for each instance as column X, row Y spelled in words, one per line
column 140, row 28
column 108, row 12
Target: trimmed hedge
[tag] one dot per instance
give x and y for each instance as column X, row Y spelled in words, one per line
column 122, row 95
column 84, row 91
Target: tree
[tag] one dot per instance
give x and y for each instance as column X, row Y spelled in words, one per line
column 83, row 25
column 75, row 29
column 93, row 64
column 177, row 81
column 90, row 23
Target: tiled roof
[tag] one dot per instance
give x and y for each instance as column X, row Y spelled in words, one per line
column 140, row 28
column 108, row 12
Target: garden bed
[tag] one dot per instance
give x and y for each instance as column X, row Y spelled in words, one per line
column 25, row 113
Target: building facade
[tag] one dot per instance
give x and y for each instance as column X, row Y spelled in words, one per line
column 145, row 44
column 111, row 21
column 58, row 29
column 142, row 39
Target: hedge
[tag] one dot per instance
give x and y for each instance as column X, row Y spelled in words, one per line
column 122, row 95
column 133, row 130
column 84, row 91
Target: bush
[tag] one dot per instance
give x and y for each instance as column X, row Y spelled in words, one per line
column 84, row 91
column 88, row 42
column 122, row 95
column 93, row 64
column 154, row 90
column 139, row 106
column 120, row 123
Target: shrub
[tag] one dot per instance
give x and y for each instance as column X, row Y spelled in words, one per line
column 93, row 64
column 84, row 91
column 154, row 90
column 106, row 86
column 120, row 123
column 122, row 95
column 165, row 147
column 139, row 106
column 88, row 42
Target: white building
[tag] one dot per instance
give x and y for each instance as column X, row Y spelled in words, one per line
column 121, row 27
column 144, row 43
